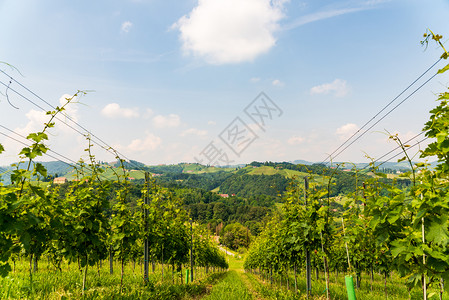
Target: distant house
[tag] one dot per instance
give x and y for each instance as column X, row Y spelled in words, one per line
column 224, row 195
column 156, row 175
column 59, row 180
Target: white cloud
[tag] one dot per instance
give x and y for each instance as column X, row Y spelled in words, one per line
column 150, row 142
column 71, row 109
column 230, row 31
column 295, row 140
column 113, row 110
column 347, row 130
column 212, row 123
column 278, row 83
column 36, row 119
column 169, row 121
column 60, row 136
column 194, row 131
column 126, row 26
column 148, row 113
column 338, row 87
column 254, row 79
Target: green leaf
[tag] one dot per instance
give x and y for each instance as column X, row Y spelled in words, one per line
column 441, row 136
column 39, row 168
column 438, row 233
column 402, row 159
column 1, row 148
column 37, row 137
column 38, row 190
column 395, row 251
column 440, row 71
column 5, row 268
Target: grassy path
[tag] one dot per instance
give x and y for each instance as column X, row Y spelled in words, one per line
column 240, row 285
column 235, row 285
column 230, row 288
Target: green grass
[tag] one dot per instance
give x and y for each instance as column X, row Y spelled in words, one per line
column 199, row 169
column 268, row 170
column 230, row 288
column 395, row 288
column 49, row 283
column 235, row 263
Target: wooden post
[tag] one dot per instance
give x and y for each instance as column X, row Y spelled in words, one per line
column 346, row 244
column 326, row 268
column 308, row 263
column 296, row 279
column 145, row 216
column 191, row 250
column 111, row 261
column 424, row 285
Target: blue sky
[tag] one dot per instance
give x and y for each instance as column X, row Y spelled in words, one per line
column 170, row 77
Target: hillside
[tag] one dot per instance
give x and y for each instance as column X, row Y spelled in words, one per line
column 257, row 179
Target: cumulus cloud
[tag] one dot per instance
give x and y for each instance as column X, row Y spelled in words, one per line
column 36, row 119
column 230, row 31
column 338, row 87
column 278, row 83
column 150, row 142
column 113, row 110
column 170, row 121
column 347, row 130
column 295, row 140
column 194, row 131
column 126, row 27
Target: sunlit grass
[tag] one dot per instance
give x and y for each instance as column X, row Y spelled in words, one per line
column 231, row 287
column 49, row 283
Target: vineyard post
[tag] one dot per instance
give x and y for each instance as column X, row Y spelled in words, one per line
column 111, row 257
column 424, row 285
column 191, row 250
column 145, row 216
column 346, row 244
column 364, row 197
column 111, row 254
column 308, row 265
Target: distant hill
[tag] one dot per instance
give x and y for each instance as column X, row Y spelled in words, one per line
column 263, row 181
column 401, row 166
column 396, row 166
column 53, row 168
column 130, row 165
column 302, row 162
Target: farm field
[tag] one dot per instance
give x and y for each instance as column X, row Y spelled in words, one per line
column 231, row 284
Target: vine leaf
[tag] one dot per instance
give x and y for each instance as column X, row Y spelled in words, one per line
column 440, row 71
column 438, row 233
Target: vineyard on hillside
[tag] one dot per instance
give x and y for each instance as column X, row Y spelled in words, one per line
column 383, row 228
column 94, row 238
column 82, row 229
